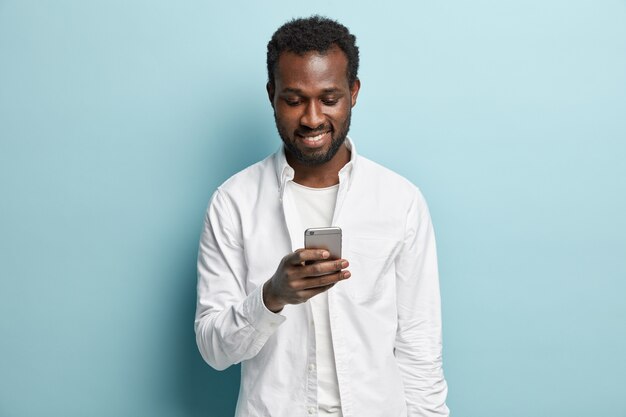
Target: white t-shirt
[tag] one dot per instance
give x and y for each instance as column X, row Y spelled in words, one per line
column 315, row 207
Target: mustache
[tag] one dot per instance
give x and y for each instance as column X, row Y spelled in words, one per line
column 303, row 130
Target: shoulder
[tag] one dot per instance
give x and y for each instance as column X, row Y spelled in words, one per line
column 399, row 199
column 389, row 189
column 383, row 199
column 374, row 175
column 244, row 192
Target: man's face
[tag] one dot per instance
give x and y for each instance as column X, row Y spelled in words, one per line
column 312, row 102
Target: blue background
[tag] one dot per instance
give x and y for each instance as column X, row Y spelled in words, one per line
column 118, row 120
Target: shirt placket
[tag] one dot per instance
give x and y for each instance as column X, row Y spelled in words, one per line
column 293, row 223
column 336, row 316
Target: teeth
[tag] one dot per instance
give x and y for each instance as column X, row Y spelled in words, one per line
column 315, row 138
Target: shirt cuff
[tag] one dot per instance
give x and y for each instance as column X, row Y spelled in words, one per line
column 258, row 315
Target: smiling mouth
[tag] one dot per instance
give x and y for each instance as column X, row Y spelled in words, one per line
column 316, row 138
column 315, row 141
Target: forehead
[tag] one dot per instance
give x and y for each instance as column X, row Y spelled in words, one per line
column 312, row 70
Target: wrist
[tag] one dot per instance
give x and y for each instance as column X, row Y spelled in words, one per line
column 271, row 303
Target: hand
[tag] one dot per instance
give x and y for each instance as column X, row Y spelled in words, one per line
column 294, row 282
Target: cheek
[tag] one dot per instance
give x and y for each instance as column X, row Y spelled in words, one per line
column 339, row 115
column 287, row 115
column 285, row 123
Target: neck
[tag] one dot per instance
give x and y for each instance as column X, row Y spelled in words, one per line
column 320, row 176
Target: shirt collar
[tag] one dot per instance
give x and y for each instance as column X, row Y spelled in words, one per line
column 285, row 173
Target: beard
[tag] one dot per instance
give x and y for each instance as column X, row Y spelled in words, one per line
column 318, row 158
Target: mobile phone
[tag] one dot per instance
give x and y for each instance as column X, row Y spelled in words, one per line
column 328, row 238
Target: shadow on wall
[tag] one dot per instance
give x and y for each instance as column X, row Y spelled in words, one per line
column 230, row 146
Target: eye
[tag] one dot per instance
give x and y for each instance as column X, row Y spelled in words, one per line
column 292, row 102
column 330, row 101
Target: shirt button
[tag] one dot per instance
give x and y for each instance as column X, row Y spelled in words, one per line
column 311, row 410
column 312, row 367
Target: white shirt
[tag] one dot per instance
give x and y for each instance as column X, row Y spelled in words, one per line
column 385, row 319
column 315, row 207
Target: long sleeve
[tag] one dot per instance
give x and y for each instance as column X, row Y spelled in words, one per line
column 230, row 325
column 418, row 346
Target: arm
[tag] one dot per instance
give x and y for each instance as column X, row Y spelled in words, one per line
column 230, row 325
column 418, row 338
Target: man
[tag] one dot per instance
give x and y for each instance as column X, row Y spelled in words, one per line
column 313, row 337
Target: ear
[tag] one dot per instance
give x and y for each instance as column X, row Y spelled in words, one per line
column 270, row 92
column 354, row 91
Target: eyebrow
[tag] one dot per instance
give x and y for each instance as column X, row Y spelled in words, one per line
column 299, row 91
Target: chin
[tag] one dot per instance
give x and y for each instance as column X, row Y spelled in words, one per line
column 318, row 156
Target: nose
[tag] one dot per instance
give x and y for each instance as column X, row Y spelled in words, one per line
column 313, row 116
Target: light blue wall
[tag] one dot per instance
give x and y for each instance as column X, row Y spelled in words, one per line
column 118, row 119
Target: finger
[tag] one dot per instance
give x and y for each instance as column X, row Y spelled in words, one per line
column 305, row 295
column 303, row 255
column 324, row 280
column 323, row 268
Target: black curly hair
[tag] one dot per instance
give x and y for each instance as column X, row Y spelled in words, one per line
column 315, row 33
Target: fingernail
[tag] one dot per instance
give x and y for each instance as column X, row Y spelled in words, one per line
column 347, row 274
column 325, row 254
column 344, row 264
